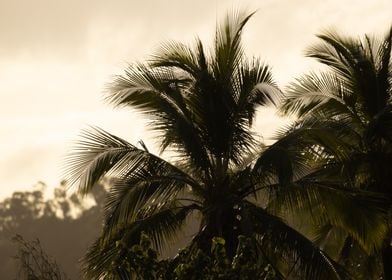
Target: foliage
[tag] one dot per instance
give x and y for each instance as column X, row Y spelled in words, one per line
column 141, row 262
column 350, row 104
column 202, row 105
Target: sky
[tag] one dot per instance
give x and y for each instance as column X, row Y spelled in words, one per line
column 56, row 58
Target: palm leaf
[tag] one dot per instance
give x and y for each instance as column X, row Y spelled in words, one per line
column 328, row 202
column 105, row 256
column 100, row 153
column 94, row 156
column 277, row 237
column 161, row 94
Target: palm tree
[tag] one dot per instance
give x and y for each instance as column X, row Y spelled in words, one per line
column 351, row 102
column 203, row 105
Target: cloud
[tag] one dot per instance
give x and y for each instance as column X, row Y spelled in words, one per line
column 56, row 57
column 36, row 26
column 33, row 147
column 65, row 28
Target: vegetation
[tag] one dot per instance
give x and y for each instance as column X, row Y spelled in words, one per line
column 315, row 204
column 64, row 225
column 350, row 103
column 331, row 166
column 35, row 264
column 142, row 263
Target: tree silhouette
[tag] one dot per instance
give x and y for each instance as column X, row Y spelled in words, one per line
column 350, row 104
column 202, row 104
column 63, row 224
column 35, row 264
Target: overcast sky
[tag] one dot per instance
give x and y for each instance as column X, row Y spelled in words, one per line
column 57, row 56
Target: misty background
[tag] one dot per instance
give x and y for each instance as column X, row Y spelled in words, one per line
column 57, row 56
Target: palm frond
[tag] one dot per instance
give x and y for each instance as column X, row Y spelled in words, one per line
column 178, row 55
column 161, row 93
column 336, row 52
column 228, row 51
column 253, row 86
column 100, row 153
column 129, row 198
column 384, row 71
column 301, row 148
column 328, row 203
column 323, row 94
column 106, row 255
column 316, row 139
column 93, row 156
column 275, row 160
column 277, row 237
column 363, row 65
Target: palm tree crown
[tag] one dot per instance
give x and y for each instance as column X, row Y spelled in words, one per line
column 351, row 102
column 203, row 106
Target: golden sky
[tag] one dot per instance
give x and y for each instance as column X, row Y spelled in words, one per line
column 57, row 55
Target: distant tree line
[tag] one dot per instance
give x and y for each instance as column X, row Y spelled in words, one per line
column 64, row 226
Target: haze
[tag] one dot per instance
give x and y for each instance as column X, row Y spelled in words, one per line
column 57, row 56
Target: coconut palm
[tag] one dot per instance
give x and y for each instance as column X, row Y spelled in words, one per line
column 351, row 102
column 202, row 105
